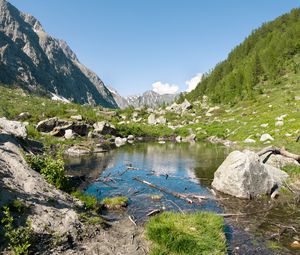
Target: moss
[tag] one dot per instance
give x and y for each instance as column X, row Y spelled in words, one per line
column 115, row 202
column 197, row 233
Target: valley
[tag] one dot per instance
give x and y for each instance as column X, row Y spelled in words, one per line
column 84, row 170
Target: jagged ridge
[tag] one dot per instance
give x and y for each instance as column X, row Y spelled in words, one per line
column 35, row 61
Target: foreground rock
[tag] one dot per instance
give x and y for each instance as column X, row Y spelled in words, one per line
column 55, row 215
column 243, row 175
column 15, row 128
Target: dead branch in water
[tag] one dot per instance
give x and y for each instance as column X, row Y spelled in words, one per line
column 187, row 197
column 274, row 150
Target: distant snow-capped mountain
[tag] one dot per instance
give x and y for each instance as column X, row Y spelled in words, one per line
column 148, row 99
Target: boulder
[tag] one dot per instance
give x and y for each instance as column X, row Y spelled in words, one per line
column 152, row 119
column 77, row 150
column 279, row 123
column 120, row 141
column 15, row 128
column 161, row 120
column 186, row 105
column 266, row 137
column 190, row 138
column 47, row 125
column 80, row 128
column 279, row 161
column 24, row 116
column 243, row 175
column 104, row 128
column 76, row 117
column 249, row 140
column 178, row 139
column 69, row 134
column 130, row 138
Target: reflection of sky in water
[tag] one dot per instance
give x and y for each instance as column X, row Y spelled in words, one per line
column 182, row 162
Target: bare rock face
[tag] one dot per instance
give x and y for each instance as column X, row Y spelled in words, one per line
column 37, row 62
column 15, row 128
column 243, row 175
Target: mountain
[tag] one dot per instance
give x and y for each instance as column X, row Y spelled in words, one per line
column 35, row 61
column 262, row 61
column 121, row 101
column 148, row 98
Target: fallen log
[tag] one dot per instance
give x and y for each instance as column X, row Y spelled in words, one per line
column 187, row 197
column 274, row 150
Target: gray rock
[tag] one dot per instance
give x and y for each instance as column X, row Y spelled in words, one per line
column 130, row 138
column 249, row 140
column 36, row 61
column 152, row 119
column 69, row 134
column 104, row 128
column 279, row 123
column 186, row 105
column 178, row 139
column 15, row 128
column 47, row 125
column 266, row 137
column 77, row 150
column 120, row 141
column 190, row 138
column 24, row 116
column 161, row 120
column 76, row 117
column 243, row 175
column 279, row 161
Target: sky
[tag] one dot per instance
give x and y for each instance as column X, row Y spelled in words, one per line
column 164, row 45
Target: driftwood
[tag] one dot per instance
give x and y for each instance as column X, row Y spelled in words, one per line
column 187, row 197
column 274, row 150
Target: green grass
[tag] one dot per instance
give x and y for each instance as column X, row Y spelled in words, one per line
column 90, row 201
column 292, row 169
column 115, row 202
column 190, row 234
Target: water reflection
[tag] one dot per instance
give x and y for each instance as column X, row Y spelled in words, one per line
column 184, row 168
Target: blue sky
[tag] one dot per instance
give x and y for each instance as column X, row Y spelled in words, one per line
column 132, row 44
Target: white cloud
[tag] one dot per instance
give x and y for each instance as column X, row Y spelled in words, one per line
column 164, row 88
column 192, row 83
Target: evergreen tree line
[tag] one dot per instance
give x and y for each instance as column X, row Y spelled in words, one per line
column 266, row 55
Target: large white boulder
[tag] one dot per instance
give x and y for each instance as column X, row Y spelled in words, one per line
column 243, row 175
column 15, row 128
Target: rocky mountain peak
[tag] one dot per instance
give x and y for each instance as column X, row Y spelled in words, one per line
column 38, row 62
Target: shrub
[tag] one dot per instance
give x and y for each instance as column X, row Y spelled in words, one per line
column 19, row 239
column 52, row 168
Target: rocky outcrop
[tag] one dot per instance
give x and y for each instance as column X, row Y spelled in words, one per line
column 15, row 128
column 104, row 128
column 243, row 175
column 58, row 127
column 17, row 180
column 37, row 62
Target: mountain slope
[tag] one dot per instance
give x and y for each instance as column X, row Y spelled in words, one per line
column 268, row 54
column 35, row 61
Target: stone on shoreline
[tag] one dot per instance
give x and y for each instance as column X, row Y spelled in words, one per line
column 243, row 175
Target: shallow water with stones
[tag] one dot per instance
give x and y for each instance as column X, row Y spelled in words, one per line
column 187, row 168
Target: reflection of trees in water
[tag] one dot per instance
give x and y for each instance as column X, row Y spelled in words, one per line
column 195, row 159
column 91, row 166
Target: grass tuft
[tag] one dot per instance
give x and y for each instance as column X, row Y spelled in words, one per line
column 190, row 234
column 115, row 202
